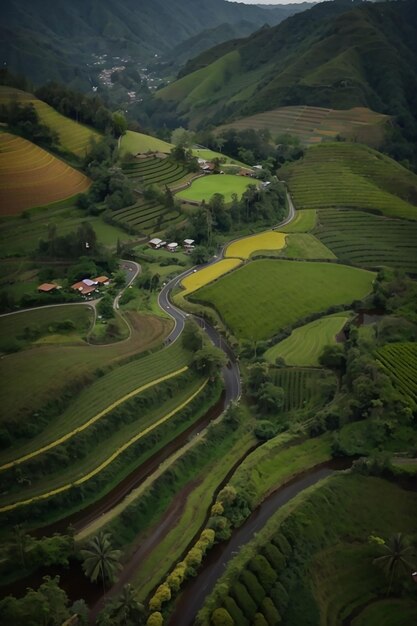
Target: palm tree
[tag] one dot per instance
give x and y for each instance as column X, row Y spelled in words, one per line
column 101, row 559
column 124, row 610
column 397, row 550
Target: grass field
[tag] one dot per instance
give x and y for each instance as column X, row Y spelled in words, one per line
column 368, row 240
column 226, row 184
column 400, row 362
column 304, row 222
column 46, row 321
column 315, row 124
column 207, row 275
column 73, row 137
column 284, row 291
column 302, row 386
column 388, row 612
column 304, row 246
column 30, row 176
column 136, row 143
column 46, row 370
column 305, row 344
column 333, row 175
column 244, row 248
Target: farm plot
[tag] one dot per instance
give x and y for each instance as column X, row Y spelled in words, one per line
column 304, row 246
column 155, row 171
column 304, row 222
column 138, row 143
column 30, row 176
column 302, row 386
column 103, row 395
column 244, row 248
column 259, row 299
column 342, row 175
column 369, row 240
column 207, row 275
column 204, row 188
column 306, row 343
column 146, row 216
column 400, row 361
column 315, row 124
column 73, row 137
column 46, row 370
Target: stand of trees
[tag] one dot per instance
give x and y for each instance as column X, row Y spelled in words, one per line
column 23, row 120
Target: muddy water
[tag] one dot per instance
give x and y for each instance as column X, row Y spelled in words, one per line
column 196, row 590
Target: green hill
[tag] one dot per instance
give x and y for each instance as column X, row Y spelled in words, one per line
column 337, row 54
column 73, row 137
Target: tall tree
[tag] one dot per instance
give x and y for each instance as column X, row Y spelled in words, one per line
column 101, row 559
column 124, row 610
column 395, row 559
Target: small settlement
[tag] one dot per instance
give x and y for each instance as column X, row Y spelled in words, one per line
column 87, row 286
column 157, row 244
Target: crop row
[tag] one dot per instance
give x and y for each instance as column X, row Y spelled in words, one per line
column 146, row 216
column 299, row 384
column 400, row 361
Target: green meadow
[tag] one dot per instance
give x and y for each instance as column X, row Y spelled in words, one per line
column 226, row 184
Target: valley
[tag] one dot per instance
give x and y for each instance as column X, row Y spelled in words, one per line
column 208, row 322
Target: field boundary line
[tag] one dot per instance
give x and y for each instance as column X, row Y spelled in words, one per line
column 110, row 459
column 92, row 420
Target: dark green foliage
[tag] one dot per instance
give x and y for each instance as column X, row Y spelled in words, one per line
column 270, row 612
column 281, row 542
column 23, row 120
column 105, row 307
column 263, row 571
column 279, row 596
column 221, row 617
column 259, row 620
column 243, row 599
column 274, row 557
column 253, row 586
column 234, row 611
column 74, row 245
column 265, row 430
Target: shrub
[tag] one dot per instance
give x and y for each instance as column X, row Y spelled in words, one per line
column 279, row 596
column 206, row 540
column 270, row 612
column 255, row 589
column 234, row 611
column 243, row 600
column 217, row 509
column 221, row 527
column 263, row 571
column 220, row 617
column 161, row 595
column 194, row 557
column 274, row 556
column 176, row 578
column 282, row 544
column 259, row 620
column 155, row 619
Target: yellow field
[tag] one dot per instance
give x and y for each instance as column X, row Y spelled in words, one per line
column 73, row 137
column 208, row 274
column 244, row 248
column 30, row 176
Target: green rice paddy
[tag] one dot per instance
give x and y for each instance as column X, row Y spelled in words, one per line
column 204, row 188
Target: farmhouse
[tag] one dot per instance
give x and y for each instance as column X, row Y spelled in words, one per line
column 173, row 247
column 85, row 286
column 47, row 287
column 188, row 244
column 102, row 280
column 243, row 172
column 156, row 243
column 207, row 166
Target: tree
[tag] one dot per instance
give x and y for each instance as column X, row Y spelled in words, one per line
column 332, row 357
column 270, row 398
column 119, row 123
column 105, row 307
column 192, row 336
column 21, row 541
column 397, row 551
column 209, row 360
column 199, row 255
column 124, row 610
column 48, row 606
column 182, row 138
column 101, row 559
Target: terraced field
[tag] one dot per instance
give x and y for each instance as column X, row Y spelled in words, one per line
column 207, row 275
column 301, row 385
column 244, row 248
column 369, row 240
column 304, row 246
column 314, row 124
column 284, row 291
column 30, row 176
column 146, row 216
column 400, row 362
column 204, row 188
column 304, row 222
column 342, row 175
column 138, row 143
column 155, row 171
column 73, row 137
column 306, row 343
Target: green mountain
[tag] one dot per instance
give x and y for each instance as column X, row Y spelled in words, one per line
column 55, row 39
column 338, row 54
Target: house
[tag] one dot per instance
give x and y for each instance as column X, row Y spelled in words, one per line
column 188, row 244
column 173, row 247
column 85, row 286
column 102, row 280
column 47, row 287
column 207, row 167
column 257, row 167
column 243, row 172
column 265, row 184
column 156, row 243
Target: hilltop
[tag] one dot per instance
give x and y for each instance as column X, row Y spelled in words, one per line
column 57, row 41
column 332, row 55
